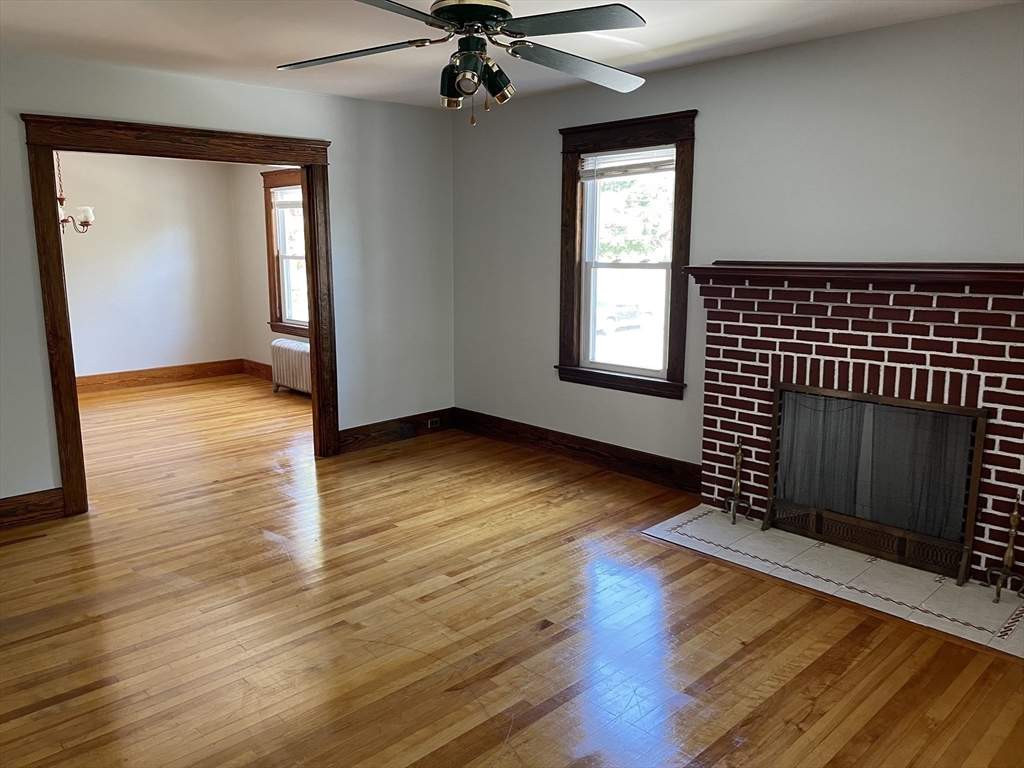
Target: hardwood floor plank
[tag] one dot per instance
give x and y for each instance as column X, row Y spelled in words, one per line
column 447, row 600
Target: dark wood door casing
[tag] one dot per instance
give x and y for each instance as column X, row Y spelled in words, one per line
column 46, row 134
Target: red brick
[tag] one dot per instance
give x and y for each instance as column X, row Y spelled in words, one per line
column 797, row 321
column 1005, row 430
column 796, row 347
column 764, row 344
column 738, row 305
column 962, row 302
column 831, row 297
column 722, row 365
column 868, row 354
column 833, row 323
column 759, row 319
column 889, row 382
column 955, row 387
column 938, row 393
column 999, row 460
column 719, row 291
column 931, row 345
column 710, row 303
column 910, row 329
column 752, row 293
column 859, row 374
column 811, row 309
column 945, row 361
column 1012, row 446
column 754, row 370
column 890, row 313
column 906, row 381
column 1012, row 335
column 986, row 318
column 782, row 294
column 841, row 311
column 722, row 341
column 741, row 330
column 1017, row 352
column 812, row 336
column 874, row 380
column 870, row 298
column 920, row 384
column 723, row 317
column 850, row 339
column 1016, row 384
column 981, row 350
column 869, row 326
column 777, row 333
column 912, row 300
column 1001, row 366
column 1005, row 304
column 1012, row 415
column 934, row 316
column 973, row 387
column 907, row 358
column 955, row 332
column 775, row 306
column 942, row 287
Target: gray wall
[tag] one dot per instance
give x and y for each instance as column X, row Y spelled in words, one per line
column 393, row 273
column 904, row 143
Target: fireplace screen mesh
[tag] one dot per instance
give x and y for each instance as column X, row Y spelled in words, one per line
column 904, row 467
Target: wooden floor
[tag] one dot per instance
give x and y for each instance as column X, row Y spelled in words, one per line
column 444, row 601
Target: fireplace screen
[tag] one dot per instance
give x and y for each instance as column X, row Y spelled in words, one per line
column 892, row 480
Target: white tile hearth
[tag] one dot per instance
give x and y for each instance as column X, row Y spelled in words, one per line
column 924, row 598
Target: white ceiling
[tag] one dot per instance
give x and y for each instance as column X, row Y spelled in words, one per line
column 243, row 40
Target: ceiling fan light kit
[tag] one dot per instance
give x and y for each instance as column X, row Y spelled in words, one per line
column 476, row 22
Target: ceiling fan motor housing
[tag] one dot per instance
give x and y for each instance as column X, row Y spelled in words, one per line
column 472, row 11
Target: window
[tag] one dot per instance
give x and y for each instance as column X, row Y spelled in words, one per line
column 626, row 192
column 286, row 252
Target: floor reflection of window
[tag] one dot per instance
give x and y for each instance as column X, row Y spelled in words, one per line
column 628, row 654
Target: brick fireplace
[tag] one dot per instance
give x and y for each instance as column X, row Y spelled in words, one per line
column 939, row 333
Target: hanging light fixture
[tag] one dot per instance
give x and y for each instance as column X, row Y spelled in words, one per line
column 85, row 214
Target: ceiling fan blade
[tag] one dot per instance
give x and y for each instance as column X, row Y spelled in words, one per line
column 600, row 17
column 585, row 69
column 405, row 10
column 353, row 54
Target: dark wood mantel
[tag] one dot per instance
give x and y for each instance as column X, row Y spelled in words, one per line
column 932, row 272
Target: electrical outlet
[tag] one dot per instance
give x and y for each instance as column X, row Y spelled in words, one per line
column 431, row 423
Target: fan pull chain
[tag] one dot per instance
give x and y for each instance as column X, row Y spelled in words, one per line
column 472, row 110
column 487, row 105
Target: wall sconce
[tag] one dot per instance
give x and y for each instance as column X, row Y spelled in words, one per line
column 85, row 215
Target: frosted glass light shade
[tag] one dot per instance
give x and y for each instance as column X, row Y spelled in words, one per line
column 85, row 214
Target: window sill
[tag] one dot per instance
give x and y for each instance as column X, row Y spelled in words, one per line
column 625, row 382
column 291, row 329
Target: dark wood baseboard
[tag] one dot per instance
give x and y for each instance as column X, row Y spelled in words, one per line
column 145, row 377
column 647, row 466
column 259, row 370
column 32, row 508
column 392, row 430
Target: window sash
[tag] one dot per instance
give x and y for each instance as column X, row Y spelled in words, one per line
column 655, row 160
column 588, row 333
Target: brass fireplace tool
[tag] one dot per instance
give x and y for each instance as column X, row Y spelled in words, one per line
column 1005, row 571
column 734, row 503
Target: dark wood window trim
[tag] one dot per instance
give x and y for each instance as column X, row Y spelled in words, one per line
column 673, row 128
column 285, row 177
column 45, row 134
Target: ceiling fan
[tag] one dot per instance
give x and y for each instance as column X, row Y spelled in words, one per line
column 474, row 20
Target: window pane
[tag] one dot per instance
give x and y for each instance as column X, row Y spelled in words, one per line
column 293, row 290
column 628, row 317
column 634, row 217
column 291, row 234
column 286, row 195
